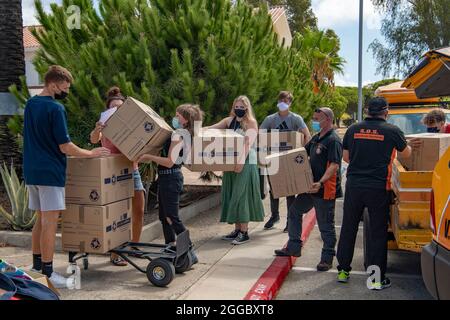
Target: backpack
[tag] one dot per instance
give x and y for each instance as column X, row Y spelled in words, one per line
column 24, row 289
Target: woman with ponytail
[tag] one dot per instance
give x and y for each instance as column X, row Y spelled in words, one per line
column 170, row 177
column 115, row 99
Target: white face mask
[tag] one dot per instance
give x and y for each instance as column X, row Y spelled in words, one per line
column 283, row 106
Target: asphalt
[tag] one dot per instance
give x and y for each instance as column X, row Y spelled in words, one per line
column 304, row 282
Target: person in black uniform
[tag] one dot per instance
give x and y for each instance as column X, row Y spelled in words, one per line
column 370, row 148
column 325, row 153
column 170, row 177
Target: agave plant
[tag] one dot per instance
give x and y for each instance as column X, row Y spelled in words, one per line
column 21, row 218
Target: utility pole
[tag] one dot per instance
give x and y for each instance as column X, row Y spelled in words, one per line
column 360, row 95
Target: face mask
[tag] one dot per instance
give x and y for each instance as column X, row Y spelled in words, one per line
column 433, row 130
column 283, row 106
column 61, row 96
column 316, row 126
column 240, row 113
column 176, row 123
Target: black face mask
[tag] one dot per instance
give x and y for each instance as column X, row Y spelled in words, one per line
column 61, row 96
column 433, row 130
column 240, row 113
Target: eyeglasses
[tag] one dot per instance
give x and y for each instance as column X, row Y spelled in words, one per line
column 321, row 111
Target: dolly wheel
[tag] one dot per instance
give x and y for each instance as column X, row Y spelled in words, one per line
column 85, row 263
column 184, row 263
column 160, row 272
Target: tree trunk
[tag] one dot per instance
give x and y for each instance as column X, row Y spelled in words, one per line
column 12, row 67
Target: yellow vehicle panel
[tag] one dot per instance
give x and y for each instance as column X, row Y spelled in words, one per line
column 411, row 179
column 400, row 110
column 407, row 237
column 413, row 215
column 441, row 189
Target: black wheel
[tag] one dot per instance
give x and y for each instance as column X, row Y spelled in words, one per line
column 85, row 263
column 366, row 235
column 160, row 272
column 184, row 263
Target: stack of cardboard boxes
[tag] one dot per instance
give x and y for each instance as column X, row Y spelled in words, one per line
column 98, row 201
column 99, row 191
column 411, row 183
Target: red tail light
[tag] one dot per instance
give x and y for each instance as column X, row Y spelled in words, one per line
column 432, row 214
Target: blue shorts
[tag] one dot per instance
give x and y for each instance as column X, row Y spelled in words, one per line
column 138, row 186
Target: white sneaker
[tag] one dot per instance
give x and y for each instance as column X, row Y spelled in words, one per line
column 58, row 281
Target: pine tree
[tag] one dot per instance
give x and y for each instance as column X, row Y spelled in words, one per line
column 168, row 52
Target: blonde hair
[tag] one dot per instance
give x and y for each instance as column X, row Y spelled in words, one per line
column 192, row 113
column 249, row 115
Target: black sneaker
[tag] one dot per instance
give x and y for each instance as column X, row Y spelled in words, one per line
column 273, row 220
column 231, row 236
column 386, row 283
column 241, row 238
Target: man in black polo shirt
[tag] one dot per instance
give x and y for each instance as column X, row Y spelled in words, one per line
column 325, row 153
column 370, row 148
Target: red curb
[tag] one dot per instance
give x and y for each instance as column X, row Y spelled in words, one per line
column 267, row 286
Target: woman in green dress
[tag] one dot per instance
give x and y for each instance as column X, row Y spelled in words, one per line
column 241, row 197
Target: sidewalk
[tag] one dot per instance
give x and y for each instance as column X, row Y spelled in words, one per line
column 224, row 271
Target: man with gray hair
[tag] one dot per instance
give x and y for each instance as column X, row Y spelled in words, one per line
column 325, row 153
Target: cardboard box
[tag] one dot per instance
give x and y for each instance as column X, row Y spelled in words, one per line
column 215, row 150
column 96, row 229
column 277, row 141
column 425, row 158
column 99, row 181
column 289, row 173
column 136, row 129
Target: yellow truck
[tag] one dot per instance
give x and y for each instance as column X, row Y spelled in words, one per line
column 409, row 223
column 431, row 78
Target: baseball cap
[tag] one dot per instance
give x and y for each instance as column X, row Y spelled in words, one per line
column 377, row 105
column 328, row 112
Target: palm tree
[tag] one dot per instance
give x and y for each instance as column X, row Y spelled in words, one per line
column 322, row 50
column 12, row 67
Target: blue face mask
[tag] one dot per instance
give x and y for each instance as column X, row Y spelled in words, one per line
column 176, row 123
column 316, row 126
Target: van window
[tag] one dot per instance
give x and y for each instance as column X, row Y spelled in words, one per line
column 410, row 123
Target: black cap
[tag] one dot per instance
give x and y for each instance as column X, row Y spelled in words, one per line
column 377, row 105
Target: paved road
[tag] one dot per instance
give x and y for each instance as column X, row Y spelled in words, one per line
column 305, row 283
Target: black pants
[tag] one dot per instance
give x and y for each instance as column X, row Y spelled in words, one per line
column 275, row 204
column 377, row 203
column 169, row 191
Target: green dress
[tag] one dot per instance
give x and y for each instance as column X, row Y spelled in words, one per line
column 241, row 195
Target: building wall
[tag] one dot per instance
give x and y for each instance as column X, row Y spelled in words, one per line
column 30, row 71
column 281, row 27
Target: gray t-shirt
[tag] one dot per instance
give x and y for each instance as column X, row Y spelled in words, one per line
column 291, row 122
